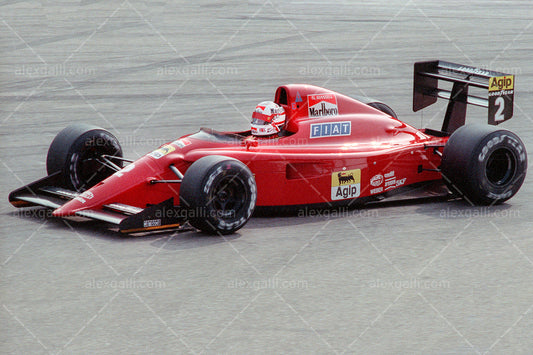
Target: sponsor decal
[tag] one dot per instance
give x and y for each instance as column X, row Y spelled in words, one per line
column 376, row 190
column 259, row 130
column 345, row 184
column 501, row 98
column 503, row 196
column 391, row 182
column 476, row 71
column 376, row 180
column 162, row 151
column 151, row 223
column 499, row 83
column 87, row 195
column 182, row 142
column 330, row 129
column 322, row 105
column 298, row 97
column 499, row 139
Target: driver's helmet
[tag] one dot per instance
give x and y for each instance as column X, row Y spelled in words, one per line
column 268, row 118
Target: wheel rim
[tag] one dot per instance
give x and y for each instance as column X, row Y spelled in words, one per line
column 501, row 167
column 227, row 196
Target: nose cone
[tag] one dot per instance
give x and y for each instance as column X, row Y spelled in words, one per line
column 83, row 201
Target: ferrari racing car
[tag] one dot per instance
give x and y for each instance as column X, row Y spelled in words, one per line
column 331, row 150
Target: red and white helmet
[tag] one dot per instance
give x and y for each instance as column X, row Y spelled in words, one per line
column 268, row 118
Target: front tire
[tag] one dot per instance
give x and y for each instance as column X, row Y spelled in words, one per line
column 219, row 194
column 75, row 152
column 485, row 164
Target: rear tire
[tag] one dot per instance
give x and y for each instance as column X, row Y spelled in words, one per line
column 74, row 151
column 485, row 164
column 219, row 194
column 376, row 104
column 383, row 108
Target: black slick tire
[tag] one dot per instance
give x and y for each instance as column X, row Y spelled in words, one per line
column 75, row 152
column 485, row 164
column 219, row 194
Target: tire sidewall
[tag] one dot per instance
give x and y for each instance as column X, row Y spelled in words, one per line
column 240, row 217
column 485, row 191
column 465, row 159
column 69, row 146
column 197, row 185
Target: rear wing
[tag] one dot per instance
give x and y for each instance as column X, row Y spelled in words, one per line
column 428, row 78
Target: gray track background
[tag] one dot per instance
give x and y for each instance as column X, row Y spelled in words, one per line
column 432, row 278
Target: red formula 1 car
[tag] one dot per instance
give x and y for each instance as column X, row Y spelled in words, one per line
column 334, row 150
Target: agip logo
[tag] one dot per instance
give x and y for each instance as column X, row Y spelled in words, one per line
column 345, row 184
column 499, row 83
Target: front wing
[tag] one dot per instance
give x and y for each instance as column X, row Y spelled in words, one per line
column 129, row 219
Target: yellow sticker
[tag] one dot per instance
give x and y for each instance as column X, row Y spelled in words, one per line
column 499, row 83
column 345, row 184
column 162, row 151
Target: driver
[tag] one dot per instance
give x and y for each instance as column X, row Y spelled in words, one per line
column 268, row 119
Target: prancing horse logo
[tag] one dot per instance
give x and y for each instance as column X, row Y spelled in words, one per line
column 345, row 179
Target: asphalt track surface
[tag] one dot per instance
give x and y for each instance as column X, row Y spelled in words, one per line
column 438, row 277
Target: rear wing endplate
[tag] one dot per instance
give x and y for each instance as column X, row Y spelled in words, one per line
column 497, row 91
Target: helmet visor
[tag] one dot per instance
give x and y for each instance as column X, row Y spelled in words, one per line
column 259, row 122
column 258, row 116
